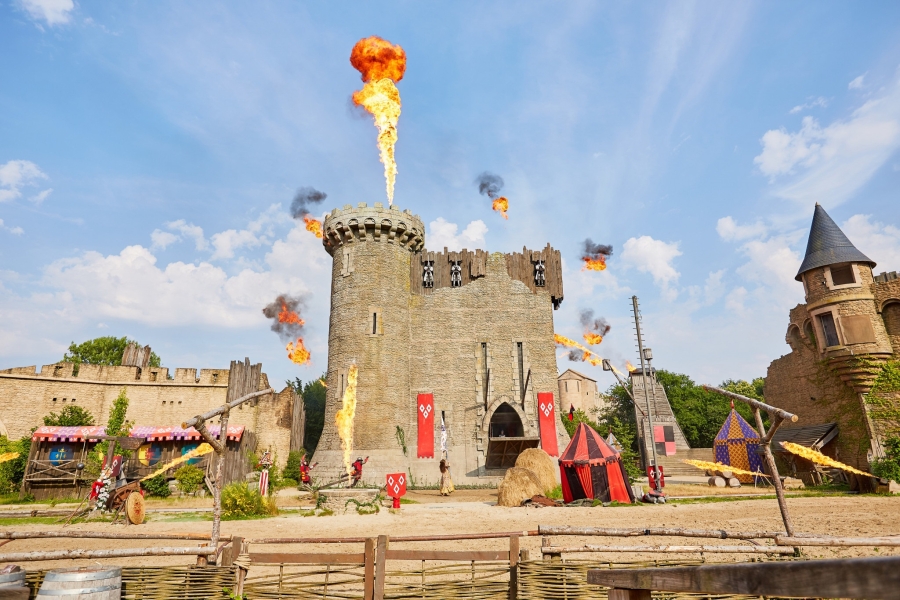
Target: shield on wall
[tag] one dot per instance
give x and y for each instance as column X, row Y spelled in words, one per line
column 396, row 484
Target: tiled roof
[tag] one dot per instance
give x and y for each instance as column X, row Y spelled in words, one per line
column 828, row 245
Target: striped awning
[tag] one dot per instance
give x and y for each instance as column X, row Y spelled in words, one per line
column 149, row 432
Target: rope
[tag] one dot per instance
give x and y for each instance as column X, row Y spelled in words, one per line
column 242, row 561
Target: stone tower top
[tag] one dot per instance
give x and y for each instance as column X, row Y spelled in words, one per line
column 376, row 223
column 828, row 245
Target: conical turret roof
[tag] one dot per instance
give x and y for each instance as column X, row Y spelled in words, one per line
column 828, row 245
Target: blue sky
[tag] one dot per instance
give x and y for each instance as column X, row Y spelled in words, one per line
column 149, row 153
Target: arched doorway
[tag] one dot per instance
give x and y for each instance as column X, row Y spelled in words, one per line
column 507, row 438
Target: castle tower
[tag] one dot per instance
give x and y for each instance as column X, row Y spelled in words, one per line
column 843, row 315
column 371, row 249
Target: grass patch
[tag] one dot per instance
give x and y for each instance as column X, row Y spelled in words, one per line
column 803, row 494
column 407, row 501
column 182, row 517
column 555, row 493
column 30, row 521
column 13, row 498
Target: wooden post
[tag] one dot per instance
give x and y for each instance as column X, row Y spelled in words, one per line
column 241, row 574
column 555, row 557
column 232, row 551
column 369, row 576
column 380, row 556
column 202, row 559
column 620, row 594
column 513, row 566
column 766, row 442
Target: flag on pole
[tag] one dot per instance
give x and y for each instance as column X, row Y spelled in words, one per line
column 444, row 452
column 264, row 482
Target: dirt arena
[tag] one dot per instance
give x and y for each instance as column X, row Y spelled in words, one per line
column 472, row 511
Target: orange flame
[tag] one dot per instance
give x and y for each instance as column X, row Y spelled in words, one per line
column 8, row 456
column 381, row 64
column 593, row 338
column 290, row 317
column 589, row 355
column 200, row 450
column 298, row 354
column 631, row 368
column 501, row 205
column 344, row 418
column 593, row 264
column 313, row 225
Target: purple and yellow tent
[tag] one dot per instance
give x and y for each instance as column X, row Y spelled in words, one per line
column 736, row 445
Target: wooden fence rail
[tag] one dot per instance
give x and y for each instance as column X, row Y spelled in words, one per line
column 871, row 578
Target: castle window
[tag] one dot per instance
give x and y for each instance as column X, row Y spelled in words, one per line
column 539, row 274
column 521, row 355
column 842, row 275
column 826, row 321
column 73, row 399
column 153, row 375
column 375, row 324
column 54, row 399
column 455, row 273
column 215, row 377
column 347, row 262
column 428, row 274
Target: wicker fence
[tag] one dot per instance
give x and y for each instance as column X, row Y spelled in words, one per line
column 164, row 583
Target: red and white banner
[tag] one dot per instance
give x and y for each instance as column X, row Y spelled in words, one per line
column 425, row 434
column 396, row 484
column 264, row 482
column 547, row 419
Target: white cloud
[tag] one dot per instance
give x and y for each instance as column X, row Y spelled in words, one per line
column 655, row 257
column 730, row 231
column 856, row 83
column 442, row 233
column 228, row 241
column 820, row 101
column 189, row 230
column 161, row 239
column 39, row 198
column 52, row 12
column 15, row 175
column 876, row 240
column 828, row 164
column 12, row 230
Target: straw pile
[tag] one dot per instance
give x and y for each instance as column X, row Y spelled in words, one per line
column 541, row 464
column 517, row 485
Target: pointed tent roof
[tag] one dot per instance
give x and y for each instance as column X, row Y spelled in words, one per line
column 587, row 447
column 828, row 245
column 736, row 428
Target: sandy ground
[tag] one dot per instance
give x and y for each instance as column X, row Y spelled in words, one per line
column 472, row 511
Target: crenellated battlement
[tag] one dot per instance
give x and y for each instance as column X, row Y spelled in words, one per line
column 88, row 373
column 350, row 225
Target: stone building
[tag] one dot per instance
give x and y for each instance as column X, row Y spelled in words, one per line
column 460, row 338
column 841, row 339
column 578, row 391
column 26, row 396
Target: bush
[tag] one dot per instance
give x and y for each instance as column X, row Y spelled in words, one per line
column 292, row 468
column 69, row 416
column 287, row 482
column 889, row 466
column 189, row 478
column 157, row 486
column 239, row 501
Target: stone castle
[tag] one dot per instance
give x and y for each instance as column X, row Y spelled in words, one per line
column 154, row 399
column 459, row 339
column 841, row 340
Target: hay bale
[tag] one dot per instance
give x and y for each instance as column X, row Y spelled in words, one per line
column 540, row 463
column 517, row 485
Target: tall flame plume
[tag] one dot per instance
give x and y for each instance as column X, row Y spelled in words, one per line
column 344, row 418
column 819, row 458
column 381, row 65
column 717, row 466
column 593, row 338
column 200, row 450
column 593, row 264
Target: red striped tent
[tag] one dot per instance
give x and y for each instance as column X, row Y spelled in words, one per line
column 590, row 468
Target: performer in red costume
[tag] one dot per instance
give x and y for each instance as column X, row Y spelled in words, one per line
column 357, row 469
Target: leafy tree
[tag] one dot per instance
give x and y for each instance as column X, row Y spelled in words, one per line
column 70, row 416
column 12, row 471
column 115, row 425
column 292, row 467
column 105, row 350
column 313, row 395
column 889, row 466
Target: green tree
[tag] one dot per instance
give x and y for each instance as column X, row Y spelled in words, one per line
column 12, row 471
column 70, row 416
column 116, row 425
column 313, row 395
column 105, row 350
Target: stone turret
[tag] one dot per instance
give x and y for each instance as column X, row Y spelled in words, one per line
column 369, row 326
column 841, row 306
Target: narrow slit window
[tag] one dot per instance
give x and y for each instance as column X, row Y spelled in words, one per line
column 521, row 370
column 374, row 323
column 485, row 372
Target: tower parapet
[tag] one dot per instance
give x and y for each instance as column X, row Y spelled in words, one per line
column 376, row 223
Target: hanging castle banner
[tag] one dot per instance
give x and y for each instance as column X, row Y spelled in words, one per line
column 547, row 414
column 425, row 436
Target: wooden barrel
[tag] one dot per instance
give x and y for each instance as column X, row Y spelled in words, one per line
column 86, row 583
column 13, row 579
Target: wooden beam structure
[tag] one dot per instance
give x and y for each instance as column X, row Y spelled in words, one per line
column 870, row 578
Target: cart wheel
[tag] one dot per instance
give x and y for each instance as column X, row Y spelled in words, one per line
column 134, row 508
